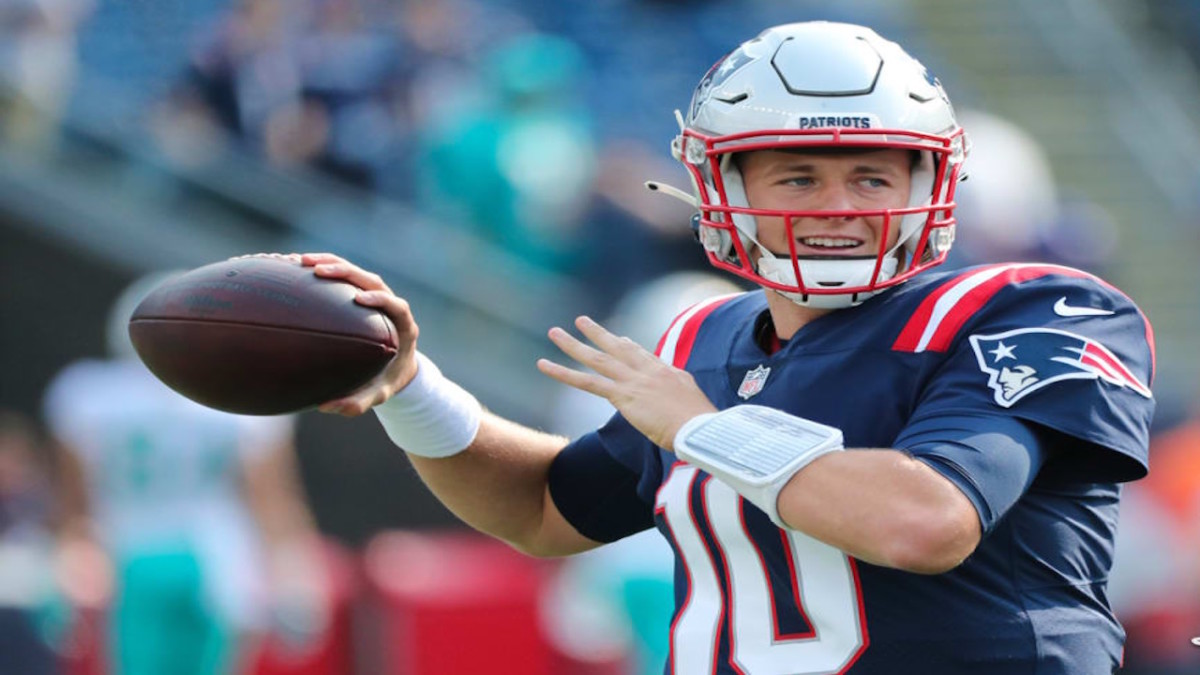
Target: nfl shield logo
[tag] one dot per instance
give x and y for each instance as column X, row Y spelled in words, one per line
column 753, row 382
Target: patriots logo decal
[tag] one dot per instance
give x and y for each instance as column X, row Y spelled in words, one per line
column 1020, row 362
column 721, row 71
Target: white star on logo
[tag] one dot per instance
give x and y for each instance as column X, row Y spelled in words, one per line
column 1002, row 351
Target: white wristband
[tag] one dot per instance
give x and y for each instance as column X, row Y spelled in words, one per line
column 431, row 416
column 755, row 450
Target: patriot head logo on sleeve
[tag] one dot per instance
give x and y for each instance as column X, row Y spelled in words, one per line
column 1020, row 362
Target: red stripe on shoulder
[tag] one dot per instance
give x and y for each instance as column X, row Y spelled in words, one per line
column 910, row 336
column 687, row 338
column 938, row 319
column 979, row 296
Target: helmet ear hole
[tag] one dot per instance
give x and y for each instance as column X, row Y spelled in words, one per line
column 719, row 240
column 735, row 196
column 924, row 175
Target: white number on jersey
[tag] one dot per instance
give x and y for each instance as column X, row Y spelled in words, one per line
column 823, row 585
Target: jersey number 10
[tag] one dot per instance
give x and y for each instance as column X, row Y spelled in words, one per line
column 823, row 587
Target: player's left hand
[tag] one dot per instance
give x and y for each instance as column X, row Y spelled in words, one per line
column 373, row 293
column 655, row 397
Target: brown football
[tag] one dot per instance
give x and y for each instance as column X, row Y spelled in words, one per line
column 260, row 336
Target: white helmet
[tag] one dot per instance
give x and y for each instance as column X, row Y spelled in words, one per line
column 820, row 84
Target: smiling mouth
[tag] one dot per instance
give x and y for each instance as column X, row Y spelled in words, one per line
column 829, row 245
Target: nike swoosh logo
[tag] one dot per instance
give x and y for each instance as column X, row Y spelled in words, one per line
column 1061, row 308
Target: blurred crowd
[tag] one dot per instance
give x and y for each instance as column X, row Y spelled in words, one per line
column 1179, row 21
column 531, row 124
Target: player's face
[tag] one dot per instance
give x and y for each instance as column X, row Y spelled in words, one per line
column 794, row 181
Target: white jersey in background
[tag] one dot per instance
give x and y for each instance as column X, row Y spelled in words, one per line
column 164, row 473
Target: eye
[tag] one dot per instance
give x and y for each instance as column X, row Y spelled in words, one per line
column 874, row 182
column 799, row 181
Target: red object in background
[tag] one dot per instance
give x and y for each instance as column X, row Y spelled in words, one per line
column 86, row 648
column 457, row 604
column 1160, row 640
column 333, row 654
column 439, row 604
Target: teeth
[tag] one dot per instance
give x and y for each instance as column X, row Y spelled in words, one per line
column 830, row 242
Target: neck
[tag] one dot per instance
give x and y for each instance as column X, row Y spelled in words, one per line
column 789, row 317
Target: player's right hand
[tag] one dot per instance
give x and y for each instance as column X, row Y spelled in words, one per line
column 655, row 397
column 374, row 293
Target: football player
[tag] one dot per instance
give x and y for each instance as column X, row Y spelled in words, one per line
column 200, row 513
column 865, row 467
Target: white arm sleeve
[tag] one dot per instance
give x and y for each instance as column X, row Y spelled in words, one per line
column 431, row 416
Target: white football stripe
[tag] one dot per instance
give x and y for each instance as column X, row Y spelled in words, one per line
column 947, row 302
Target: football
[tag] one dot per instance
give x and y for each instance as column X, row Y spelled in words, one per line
column 260, row 336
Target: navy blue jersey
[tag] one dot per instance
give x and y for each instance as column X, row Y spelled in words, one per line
column 1025, row 385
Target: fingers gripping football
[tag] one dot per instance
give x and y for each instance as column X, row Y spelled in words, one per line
column 655, row 397
column 375, row 293
column 334, row 267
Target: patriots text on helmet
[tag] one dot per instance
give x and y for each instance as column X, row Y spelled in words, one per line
column 844, row 121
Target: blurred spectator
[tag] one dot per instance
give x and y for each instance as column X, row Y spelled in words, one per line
column 240, row 72
column 304, row 83
column 1179, row 20
column 32, row 622
column 443, row 45
column 335, row 85
column 524, row 169
column 347, row 64
column 1010, row 192
column 629, row 228
column 38, row 64
column 200, row 512
column 517, row 169
column 1010, row 207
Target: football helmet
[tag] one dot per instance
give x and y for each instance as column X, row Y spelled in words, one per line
column 828, row 85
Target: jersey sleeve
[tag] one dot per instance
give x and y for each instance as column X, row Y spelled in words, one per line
column 993, row 459
column 604, row 482
column 1067, row 354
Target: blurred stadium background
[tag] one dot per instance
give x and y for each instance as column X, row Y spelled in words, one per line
column 486, row 157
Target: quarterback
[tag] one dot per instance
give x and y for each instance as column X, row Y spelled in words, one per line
column 867, row 466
